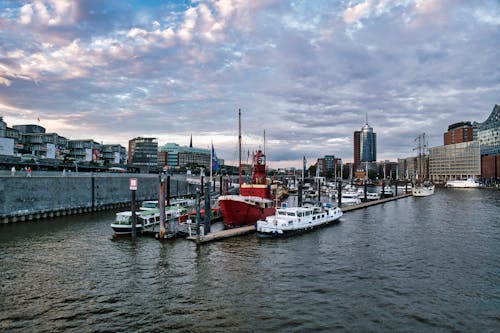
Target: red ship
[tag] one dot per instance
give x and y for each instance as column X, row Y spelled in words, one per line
column 255, row 200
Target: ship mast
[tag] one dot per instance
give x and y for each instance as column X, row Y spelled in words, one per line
column 239, row 146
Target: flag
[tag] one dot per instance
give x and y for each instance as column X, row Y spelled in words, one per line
column 215, row 162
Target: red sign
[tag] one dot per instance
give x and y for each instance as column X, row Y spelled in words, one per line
column 133, row 184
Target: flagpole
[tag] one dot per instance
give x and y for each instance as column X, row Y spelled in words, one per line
column 211, row 161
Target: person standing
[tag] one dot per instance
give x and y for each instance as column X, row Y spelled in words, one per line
column 13, row 171
column 28, row 171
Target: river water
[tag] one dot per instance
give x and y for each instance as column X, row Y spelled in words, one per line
column 412, row 265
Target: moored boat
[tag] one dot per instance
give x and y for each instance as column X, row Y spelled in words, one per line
column 293, row 220
column 350, row 198
column 464, row 183
column 255, row 200
column 422, row 190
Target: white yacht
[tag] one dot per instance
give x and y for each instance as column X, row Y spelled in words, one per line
column 422, row 190
column 292, row 220
column 465, row 183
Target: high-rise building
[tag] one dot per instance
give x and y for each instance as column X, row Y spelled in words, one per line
column 458, row 133
column 365, row 145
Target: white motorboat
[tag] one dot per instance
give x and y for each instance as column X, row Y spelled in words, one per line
column 350, row 198
column 292, row 220
column 372, row 196
column 464, row 183
column 388, row 192
column 145, row 219
column 422, row 190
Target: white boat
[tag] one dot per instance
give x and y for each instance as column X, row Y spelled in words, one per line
column 403, row 188
column 422, row 190
column 464, row 183
column 372, row 196
column 292, row 220
column 388, row 192
column 146, row 219
column 350, row 198
column 123, row 221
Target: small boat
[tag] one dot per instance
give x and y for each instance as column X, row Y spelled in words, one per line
column 146, row 219
column 388, row 191
column 123, row 221
column 350, row 198
column 464, row 183
column 372, row 196
column 293, row 220
column 422, row 190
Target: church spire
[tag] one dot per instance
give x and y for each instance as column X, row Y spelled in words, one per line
column 191, row 141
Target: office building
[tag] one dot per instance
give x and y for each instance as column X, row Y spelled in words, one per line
column 365, row 148
column 454, row 161
column 143, row 152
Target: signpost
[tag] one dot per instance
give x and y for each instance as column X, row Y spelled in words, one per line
column 133, row 188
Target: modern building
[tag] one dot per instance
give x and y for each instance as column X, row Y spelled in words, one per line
column 327, row 166
column 84, row 150
column 455, row 161
column 113, row 154
column 143, row 153
column 458, row 133
column 365, row 147
column 488, row 133
column 184, row 156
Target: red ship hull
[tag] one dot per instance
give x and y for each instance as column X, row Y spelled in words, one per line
column 240, row 210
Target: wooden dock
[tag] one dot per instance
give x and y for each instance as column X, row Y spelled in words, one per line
column 218, row 235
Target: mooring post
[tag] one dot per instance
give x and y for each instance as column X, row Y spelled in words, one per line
column 383, row 189
column 161, row 205
column 339, row 193
column 220, row 184
column 365, row 189
column 396, row 190
column 202, row 181
column 208, row 210
column 168, row 191
column 198, row 216
column 319, row 190
column 134, row 217
column 299, row 197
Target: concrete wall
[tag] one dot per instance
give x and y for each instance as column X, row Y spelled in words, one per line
column 24, row 197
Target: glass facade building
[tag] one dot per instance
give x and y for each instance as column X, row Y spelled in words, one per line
column 456, row 161
column 143, row 152
column 488, row 133
column 368, row 144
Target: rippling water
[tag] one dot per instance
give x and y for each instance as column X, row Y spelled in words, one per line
column 412, row 265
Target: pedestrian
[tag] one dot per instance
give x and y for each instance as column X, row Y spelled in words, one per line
column 13, row 171
column 28, row 171
column 64, row 172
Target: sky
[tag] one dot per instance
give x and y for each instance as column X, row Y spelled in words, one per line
column 306, row 73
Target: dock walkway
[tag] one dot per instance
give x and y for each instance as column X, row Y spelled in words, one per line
column 251, row 228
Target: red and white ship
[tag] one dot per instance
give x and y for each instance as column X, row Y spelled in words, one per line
column 255, row 200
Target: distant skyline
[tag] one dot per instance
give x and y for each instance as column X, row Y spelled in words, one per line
column 306, row 72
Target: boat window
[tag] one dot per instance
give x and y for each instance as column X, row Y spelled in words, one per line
column 290, row 213
column 281, row 212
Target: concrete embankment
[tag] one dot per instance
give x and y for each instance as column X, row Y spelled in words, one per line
column 28, row 198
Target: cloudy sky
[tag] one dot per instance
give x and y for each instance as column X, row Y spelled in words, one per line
column 307, row 72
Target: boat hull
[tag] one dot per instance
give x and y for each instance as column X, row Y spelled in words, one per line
column 124, row 229
column 237, row 213
column 422, row 191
